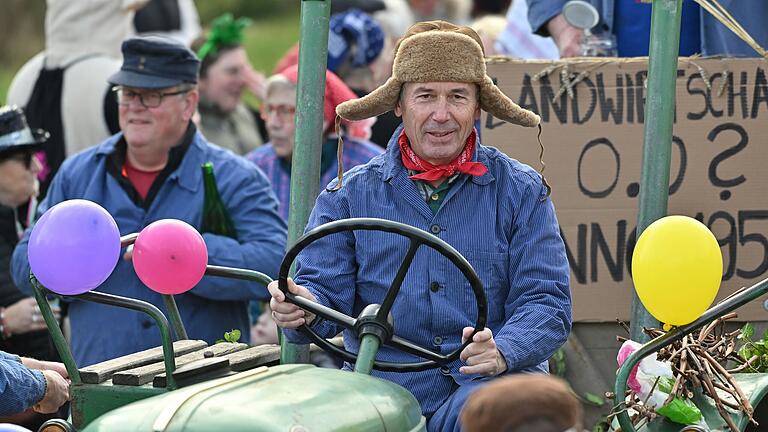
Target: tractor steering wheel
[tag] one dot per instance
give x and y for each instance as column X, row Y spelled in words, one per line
column 376, row 319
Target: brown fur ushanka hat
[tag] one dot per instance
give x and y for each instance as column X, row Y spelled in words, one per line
column 438, row 51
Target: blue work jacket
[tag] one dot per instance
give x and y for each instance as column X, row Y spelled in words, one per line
column 20, row 387
column 716, row 39
column 216, row 304
column 502, row 222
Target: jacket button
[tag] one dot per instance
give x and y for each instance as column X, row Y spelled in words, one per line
column 437, row 340
column 434, row 287
column 435, row 229
column 146, row 324
column 445, row 370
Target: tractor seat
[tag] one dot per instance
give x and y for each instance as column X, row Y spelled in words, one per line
column 147, row 366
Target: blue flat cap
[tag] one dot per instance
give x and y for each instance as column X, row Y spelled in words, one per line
column 156, row 62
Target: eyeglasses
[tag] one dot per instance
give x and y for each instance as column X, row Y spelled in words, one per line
column 282, row 111
column 23, row 156
column 147, row 99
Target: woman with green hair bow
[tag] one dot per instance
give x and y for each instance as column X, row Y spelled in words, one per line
column 225, row 73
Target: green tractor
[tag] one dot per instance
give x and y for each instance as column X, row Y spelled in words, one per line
column 229, row 386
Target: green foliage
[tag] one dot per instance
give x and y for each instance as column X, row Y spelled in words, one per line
column 665, row 384
column 604, row 425
column 594, row 399
column 256, row 10
column 753, row 348
column 230, row 336
column 681, row 411
column 557, row 363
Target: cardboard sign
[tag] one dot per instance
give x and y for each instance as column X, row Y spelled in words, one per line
column 593, row 139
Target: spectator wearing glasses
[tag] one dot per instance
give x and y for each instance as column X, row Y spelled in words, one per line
column 24, row 383
column 151, row 171
column 278, row 111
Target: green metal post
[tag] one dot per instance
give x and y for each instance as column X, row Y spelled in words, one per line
column 369, row 346
column 62, row 347
column 175, row 317
column 305, row 162
column 657, row 137
column 170, row 302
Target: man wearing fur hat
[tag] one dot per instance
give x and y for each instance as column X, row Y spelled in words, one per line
column 436, row 176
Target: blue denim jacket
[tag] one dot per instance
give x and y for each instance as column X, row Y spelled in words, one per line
column 20, row 387
column 215, row 305
column 716, row 39
column 502, row 222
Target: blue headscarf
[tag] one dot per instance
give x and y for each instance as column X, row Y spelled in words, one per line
column 358, row 29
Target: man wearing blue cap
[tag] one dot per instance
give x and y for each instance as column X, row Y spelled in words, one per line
column 151, row 171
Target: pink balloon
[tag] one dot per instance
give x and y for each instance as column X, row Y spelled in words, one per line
column 170, row 256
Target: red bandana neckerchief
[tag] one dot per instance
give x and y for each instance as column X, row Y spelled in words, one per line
column 429, row 172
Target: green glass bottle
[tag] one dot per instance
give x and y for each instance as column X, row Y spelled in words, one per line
column 216, row 218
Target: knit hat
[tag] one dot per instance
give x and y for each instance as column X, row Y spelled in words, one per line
column 353, row 36
column 438, row 51
column 336, row 91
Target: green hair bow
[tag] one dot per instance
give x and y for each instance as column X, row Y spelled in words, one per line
column 225, row 30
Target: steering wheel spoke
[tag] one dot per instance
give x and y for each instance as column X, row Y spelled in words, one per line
column 322, row 311
column 411, row 348
column 394, row 289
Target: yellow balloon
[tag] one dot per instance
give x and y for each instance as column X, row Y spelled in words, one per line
column 677, row 267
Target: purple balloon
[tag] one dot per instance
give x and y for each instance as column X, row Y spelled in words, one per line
column 74, row 247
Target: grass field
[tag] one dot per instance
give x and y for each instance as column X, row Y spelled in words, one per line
column 266, row 41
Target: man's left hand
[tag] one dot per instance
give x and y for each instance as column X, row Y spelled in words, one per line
column 481, row 356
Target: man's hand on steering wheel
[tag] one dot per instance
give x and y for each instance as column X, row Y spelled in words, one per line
column 288, row 315
column 481, row 356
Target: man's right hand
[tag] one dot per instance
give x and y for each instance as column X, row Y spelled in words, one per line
column 56, row 393
column 566, row 37
column 288, row 315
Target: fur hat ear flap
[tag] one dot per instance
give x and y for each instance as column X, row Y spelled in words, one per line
column 500, row 106
column 375, row 103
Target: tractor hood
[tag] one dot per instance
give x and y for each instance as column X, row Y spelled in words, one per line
column 288, row 398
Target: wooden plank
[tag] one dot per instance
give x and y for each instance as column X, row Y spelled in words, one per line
column 144, row 374
column 262, row 355
column 265, row 355
column 100, row 372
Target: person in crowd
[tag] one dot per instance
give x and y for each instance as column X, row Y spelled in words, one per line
column 24, row 382
column 359, row 52
column 225, row 74
column 481, row 8
column 151, row 171
column 176, row 19
column 436, row 176
column 518, row 40
column 279, row 110
column 630, row 23
column 489, row 28
column 28, row 383
column 64, row 89
column 523, row 403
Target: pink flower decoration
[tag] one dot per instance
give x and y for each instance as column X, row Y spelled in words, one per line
column 626, row 349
